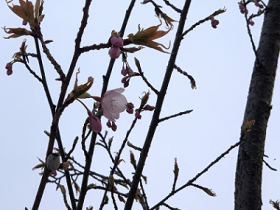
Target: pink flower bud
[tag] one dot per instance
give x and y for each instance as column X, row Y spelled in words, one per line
column 129, row 108
column 114, row 126
column 116, row 41
column 251, row 22
column 149, row 107
column 53, row 173
column 109, row 124
column 243, row 9
column 138, row 115
column 126, row 83
column 24, row 22
column 214, row 23
column 95, row 123
column 124, row 71
column 129, row 111
column 9, row 67
column 258, row 4
column 114, row 52
column 130, row 105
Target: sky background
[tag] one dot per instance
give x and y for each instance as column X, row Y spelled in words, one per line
column 220, row 60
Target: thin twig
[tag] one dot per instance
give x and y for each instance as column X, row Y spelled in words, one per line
column 103, row 188
column 250, row 34
column 114, row 161
column 32, row 72
column 133, row 146
column 158, row 107
column 273, row 169
column 117, row 158
column 55, row 134
column 171, row 208
column 175, row 115
column 172, row 6
column 197, row 176
column 54, row 128
column 201, row 21
column 193, row 83
column 114, row 200
column 73, row 147
column 146, row 81
column 51, row 58
column 63, row 191
column 143, row 199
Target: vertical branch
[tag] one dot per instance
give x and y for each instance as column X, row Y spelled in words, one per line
column 46, row 172
column 44, row 80
column 93, row 137
column 54, row 127
column 155, row 118
column 248, row 179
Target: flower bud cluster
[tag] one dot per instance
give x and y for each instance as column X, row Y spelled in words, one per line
column 127, row 72
column 144, row 106
column 244, row 10
column 116, row 42
column 9, row 67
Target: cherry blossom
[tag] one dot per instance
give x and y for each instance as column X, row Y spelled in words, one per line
column 129, row 108
column 113, row 103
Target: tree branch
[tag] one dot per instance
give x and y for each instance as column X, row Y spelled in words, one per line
column 155, row 118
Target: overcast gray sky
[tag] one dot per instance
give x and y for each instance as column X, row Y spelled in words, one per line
column 221, row 61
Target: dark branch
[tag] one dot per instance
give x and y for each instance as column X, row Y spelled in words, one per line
column 175, row 115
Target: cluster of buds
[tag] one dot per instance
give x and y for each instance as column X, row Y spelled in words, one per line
column 258, row 4
column 242, row 8
column 215, row 22
column 20, row 56
column 9, row 67
column 116, row 42
column 127, row 72
column 144, row 106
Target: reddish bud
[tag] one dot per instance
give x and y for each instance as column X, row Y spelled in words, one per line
column 258, row 4
column 149, row 107
column 126, row 84
column 9, row 68
column 124, row 71
column 24, row 22
column 114, row 126
column 243, row 9
column 129, row 108
column 116, row 41
column 251, row 22
column 138, row 115
column 214, row 23
column 109, row 124
column 114, row 52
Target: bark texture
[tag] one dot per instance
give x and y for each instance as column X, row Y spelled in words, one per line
column 248, row 181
